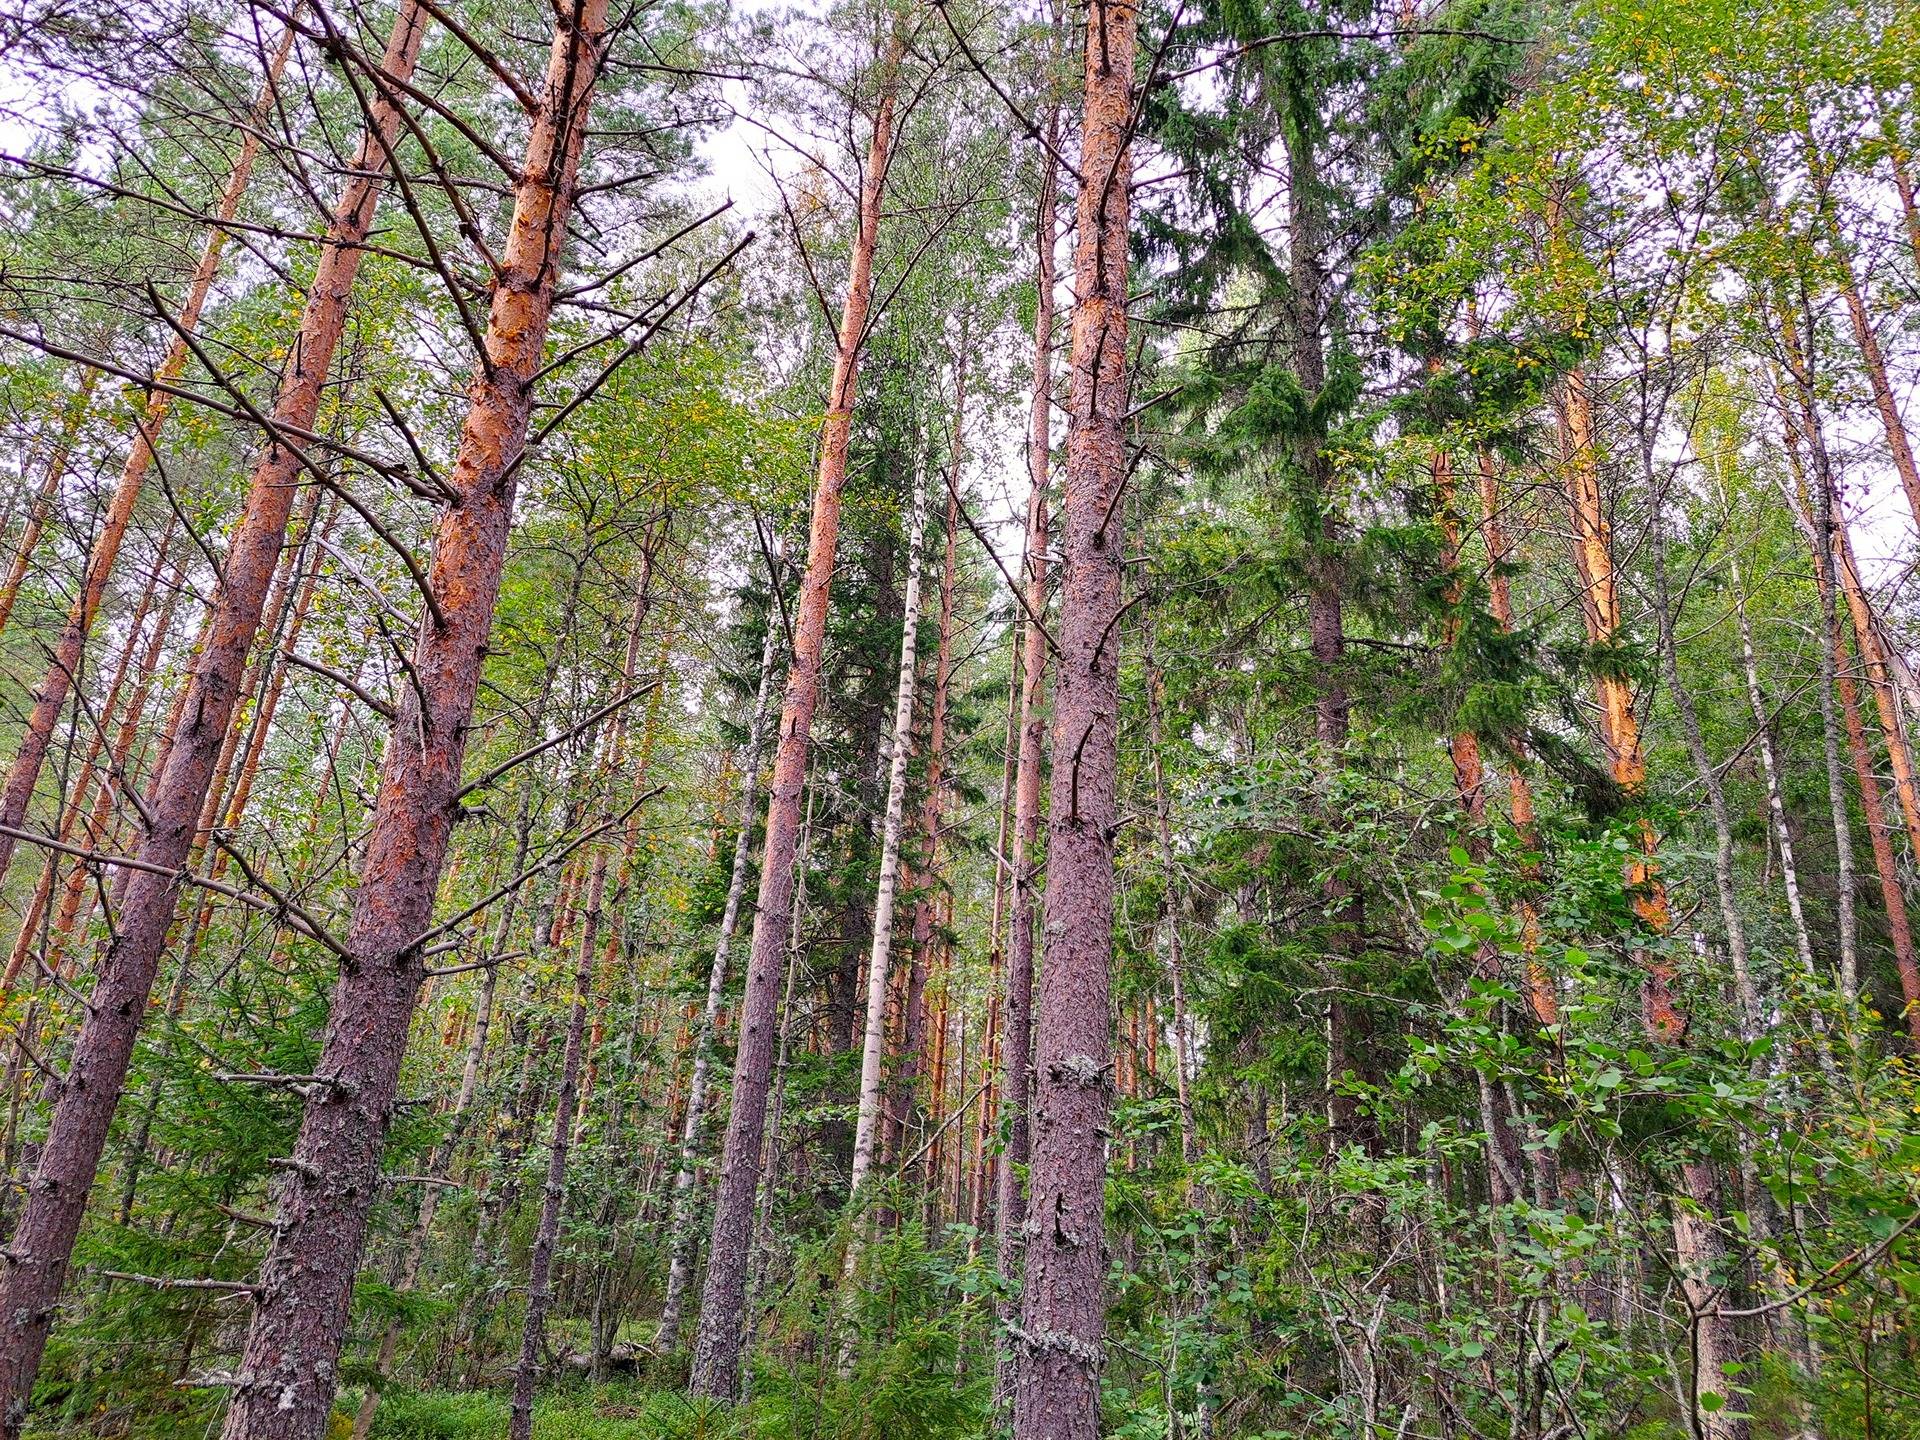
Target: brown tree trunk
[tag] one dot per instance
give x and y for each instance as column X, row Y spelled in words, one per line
column 299, row 1321
column 1063, row 1320
column 72, row 415
column 1620, row 725
column 272, row 684
column 1880, row 835
column 717, row 1347
column 43, row 1241
column 976, row 1202
column 1873, row 663
column 1506, row 1162
column 1016, row 1039
column 51, row 698
column 681, row 1230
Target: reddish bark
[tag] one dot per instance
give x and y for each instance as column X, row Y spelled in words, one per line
column 51, row 698
column 43, row 1241
column 1880, row 835
column 1873, row 662
column 1620, row 726
column 1063, row 1321
column 288, row 1370
column 721, row 1334
column 72, row 414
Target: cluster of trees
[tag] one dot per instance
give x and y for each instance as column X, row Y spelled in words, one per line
column 1201, row 725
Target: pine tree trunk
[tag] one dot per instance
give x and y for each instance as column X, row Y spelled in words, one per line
column 1016, row 1038
column 288, row 1368
column 681, row 1233
column 51, row 698
column 873, row 1047
column 717, row 1348
column 72, row 415
column 1541, row 998
column 1620, row 726
column 1880, row 836
column 43, row 1241
column 989, row 1050
column 1873, row 663
column 1063, row 1322
column 443, row 1153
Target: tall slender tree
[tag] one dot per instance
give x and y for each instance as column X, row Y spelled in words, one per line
column 1062, row 1328
column 717, row 1348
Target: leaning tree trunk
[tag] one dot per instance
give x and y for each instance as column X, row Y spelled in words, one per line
column 681, row 1232
column 1063, row 1320
column 51, row 698
column 43, row 1241
column 288, row 1369
column 873, row 1045
column 1016, row 1043
column 718, row 1343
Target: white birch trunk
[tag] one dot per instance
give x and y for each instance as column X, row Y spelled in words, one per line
column 873, row 1045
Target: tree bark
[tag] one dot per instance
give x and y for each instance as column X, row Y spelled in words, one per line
column 1873, row 664
column 681, row 1232
column 51, row 698
column 1063, row 1322
column 43, row 1241
column 1620, row 725
column 288, row 1369
column 717, row 1348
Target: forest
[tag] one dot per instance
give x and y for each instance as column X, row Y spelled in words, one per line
column 960, row 720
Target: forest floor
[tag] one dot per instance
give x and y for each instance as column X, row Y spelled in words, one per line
column 615, row 1411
